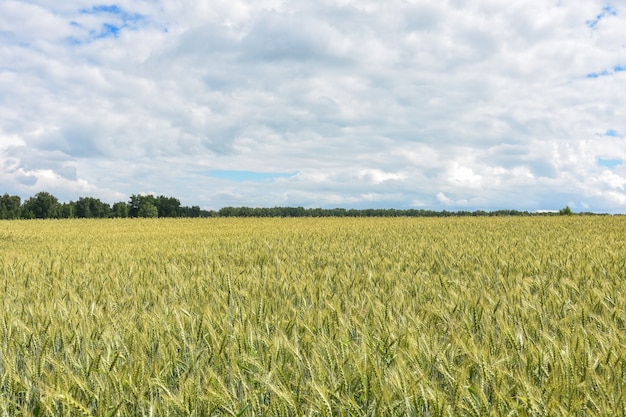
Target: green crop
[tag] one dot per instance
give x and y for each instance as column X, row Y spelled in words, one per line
column 521, row 316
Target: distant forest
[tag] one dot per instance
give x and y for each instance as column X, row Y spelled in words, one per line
column 46, row 206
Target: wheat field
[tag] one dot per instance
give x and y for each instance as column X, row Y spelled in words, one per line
column 521, row 316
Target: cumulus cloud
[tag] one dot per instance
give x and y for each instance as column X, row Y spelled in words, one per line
column 472, row 104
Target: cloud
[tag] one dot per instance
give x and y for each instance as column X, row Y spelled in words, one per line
column 468, row 104
column 251, row 176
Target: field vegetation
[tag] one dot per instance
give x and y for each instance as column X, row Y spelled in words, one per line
column 498, row 316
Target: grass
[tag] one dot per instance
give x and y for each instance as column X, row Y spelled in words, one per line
column 243, row 317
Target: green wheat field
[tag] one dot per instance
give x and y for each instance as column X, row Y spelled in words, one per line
column 522, row 316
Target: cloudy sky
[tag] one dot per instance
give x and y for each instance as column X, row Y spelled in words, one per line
column 435, row 104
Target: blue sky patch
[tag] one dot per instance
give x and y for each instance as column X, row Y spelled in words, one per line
column 611, row 133
column 604, row 73
column 606, row 11
column 117, row 20
column 110, row 9
column 115, row 11
column 108, row 31
column 609, row 163
column 598, row 74
column 241, row 176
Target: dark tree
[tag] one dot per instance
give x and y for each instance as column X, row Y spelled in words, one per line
column 148, row 209
column 133, row 205
column 67, row 210
column 143, row 206
column 42, row 206
column 167, row 206
column 89, row 207
column 228, row 212
column 83, row 209
column 10, row 206
column 119, row 209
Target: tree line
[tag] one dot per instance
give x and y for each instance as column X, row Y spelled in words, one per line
column 46, row 206
column 342, row 212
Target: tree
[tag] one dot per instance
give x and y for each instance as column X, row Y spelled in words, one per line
column 228, row 212
column 167, row 206
column 143, row 205
column 566, row 211
column 133, row 205
column 148, row 209
column 83, row 210
column 194, row 211
column 67, row 210
column 89, row 207
column 42, row 206
column 10, row 206
column 119, row 209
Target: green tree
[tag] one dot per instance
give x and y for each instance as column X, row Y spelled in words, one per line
column 10, row 206
column 167, row 206
column 119, row 209
column 566, row 211
column 138, row 201
column 89, row 207
column 148, row 209
column 42, row 206
column 67, row 210
column 133, row 205
column 82, row 209
column 194, row 211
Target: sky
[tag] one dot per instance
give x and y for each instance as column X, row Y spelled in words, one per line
column 423, row 104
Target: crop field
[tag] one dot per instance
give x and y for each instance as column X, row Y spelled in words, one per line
column 521, row 316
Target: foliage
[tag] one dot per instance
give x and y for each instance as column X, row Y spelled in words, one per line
column 42, row 206
column 10, row 207
column 89, row 207
column 439, row 316
column 119, row 209
column 148, row 209
column 342, row 212
column 46, row 206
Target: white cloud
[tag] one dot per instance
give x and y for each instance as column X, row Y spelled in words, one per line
column 463, row 176
column 443, row 199
column 25, row 22
column 612, row 180
column 455, row 103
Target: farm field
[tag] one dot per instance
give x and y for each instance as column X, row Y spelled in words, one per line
column 520, row 316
